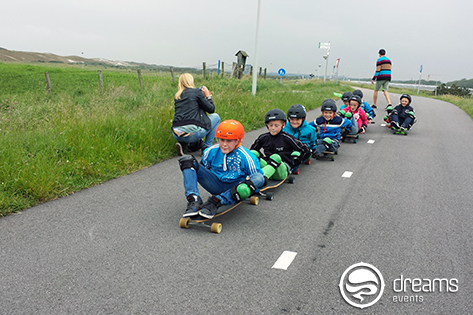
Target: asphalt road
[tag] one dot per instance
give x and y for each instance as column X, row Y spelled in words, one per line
column 117, row 248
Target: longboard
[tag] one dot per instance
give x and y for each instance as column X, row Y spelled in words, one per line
column 274, row 184
column 328, row 155
column 215, row 227
column 353, row 138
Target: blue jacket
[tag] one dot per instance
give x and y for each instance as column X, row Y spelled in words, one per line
column 331, row 128
column 232, row 167
column 306, row 133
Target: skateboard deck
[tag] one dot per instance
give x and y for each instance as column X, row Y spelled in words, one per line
column 215, row 227
column 328, row 155
column 353, row 138
column 274, row 184
column 400, row 132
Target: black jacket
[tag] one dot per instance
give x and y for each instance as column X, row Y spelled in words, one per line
column 191, row 109
column 283, row 144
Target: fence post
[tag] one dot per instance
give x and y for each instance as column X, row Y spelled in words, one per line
column 265, row 73
column 260, row 70
column 101, row 79
column 141, row 79
column 251, row 71
column 203, row 67
column 48, row 82
column 233, row 69
column 223, row 69
column 172, row 74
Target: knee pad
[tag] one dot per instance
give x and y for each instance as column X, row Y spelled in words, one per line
column 275, row 160
column 243, row 190
column 188, row 161
column 256, row 153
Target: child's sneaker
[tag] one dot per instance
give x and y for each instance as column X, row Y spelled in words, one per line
column 374, row 106
column 194, row 203
column 209, row 208
column 180, row 148
column 395, row 125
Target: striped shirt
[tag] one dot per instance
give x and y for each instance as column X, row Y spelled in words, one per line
column 383, row 69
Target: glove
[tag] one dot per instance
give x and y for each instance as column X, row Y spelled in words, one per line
column 411, row 113
column 348, row 114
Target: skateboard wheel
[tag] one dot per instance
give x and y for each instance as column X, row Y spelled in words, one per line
column 307, row 162
column 291, row 180
column 355, row 141
column 254, row 200
column 296, row 172
column 216, row 228
column 184, row 223
column 336, row 152
column 332, row 158
column 269, row 196
column 317, row 158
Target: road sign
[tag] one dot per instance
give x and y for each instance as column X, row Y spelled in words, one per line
column 324, row 45
column 281, row 72
column 420, row 68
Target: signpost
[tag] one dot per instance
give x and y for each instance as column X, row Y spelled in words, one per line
column 325, row 46
column 281, row 72
column 420, row 76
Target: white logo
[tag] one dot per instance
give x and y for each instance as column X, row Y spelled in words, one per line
column 361, row 285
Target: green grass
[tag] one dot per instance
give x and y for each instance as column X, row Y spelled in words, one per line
column 80, row 135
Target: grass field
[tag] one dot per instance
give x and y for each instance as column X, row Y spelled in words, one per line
column 80, row 135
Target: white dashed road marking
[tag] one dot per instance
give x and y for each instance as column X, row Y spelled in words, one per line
column 370, row 141
column 347, row 174
column 284, row 260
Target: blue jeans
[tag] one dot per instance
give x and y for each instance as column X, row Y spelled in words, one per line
column 212, row 184
column 208, row 134
column 406, row 123
column 354, row 126
column 321, row 147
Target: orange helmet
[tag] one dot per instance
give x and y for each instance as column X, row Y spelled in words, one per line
column 230, row 129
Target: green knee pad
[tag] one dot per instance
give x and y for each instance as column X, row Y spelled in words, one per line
column 256, row 153
column 243, row 191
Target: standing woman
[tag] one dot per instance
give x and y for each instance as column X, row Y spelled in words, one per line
column 191, row 123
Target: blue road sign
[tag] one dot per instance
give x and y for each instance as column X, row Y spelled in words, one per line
column 281, row 72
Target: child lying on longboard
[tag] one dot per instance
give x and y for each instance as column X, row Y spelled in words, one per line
column 281, row 151
column 329, row 127
column 228, row 171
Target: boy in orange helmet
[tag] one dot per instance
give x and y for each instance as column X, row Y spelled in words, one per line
column 228, row 171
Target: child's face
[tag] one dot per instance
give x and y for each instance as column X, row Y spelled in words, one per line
column 275, row 127
column 347, row 103
column 226, row 145
column 295, row 122
column 404, row 101
column 354, row 106
column 328, row 114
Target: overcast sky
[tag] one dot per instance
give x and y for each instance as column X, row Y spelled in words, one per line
column 435, row 34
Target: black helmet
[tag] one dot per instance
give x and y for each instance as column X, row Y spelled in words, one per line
column 297, row 111
column 329, row 105
column 406, row 96
column 275, row 114
column 346, row 96
column 356, row 98
column 359, row 93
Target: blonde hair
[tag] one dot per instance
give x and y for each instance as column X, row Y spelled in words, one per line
column 186, row 80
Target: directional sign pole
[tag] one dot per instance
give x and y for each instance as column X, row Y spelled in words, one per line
column 420, row 76
column 255, row 68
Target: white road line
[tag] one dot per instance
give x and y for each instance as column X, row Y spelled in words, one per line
column 370, row 141
column 383, row 125
column 347, row 174
column 285, row 260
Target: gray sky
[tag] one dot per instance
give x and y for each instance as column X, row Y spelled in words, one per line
column 435, row 34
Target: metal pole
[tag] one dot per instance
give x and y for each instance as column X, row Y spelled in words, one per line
column 255, row 75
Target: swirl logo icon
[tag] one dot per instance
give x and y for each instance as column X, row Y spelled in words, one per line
column 361, row 285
